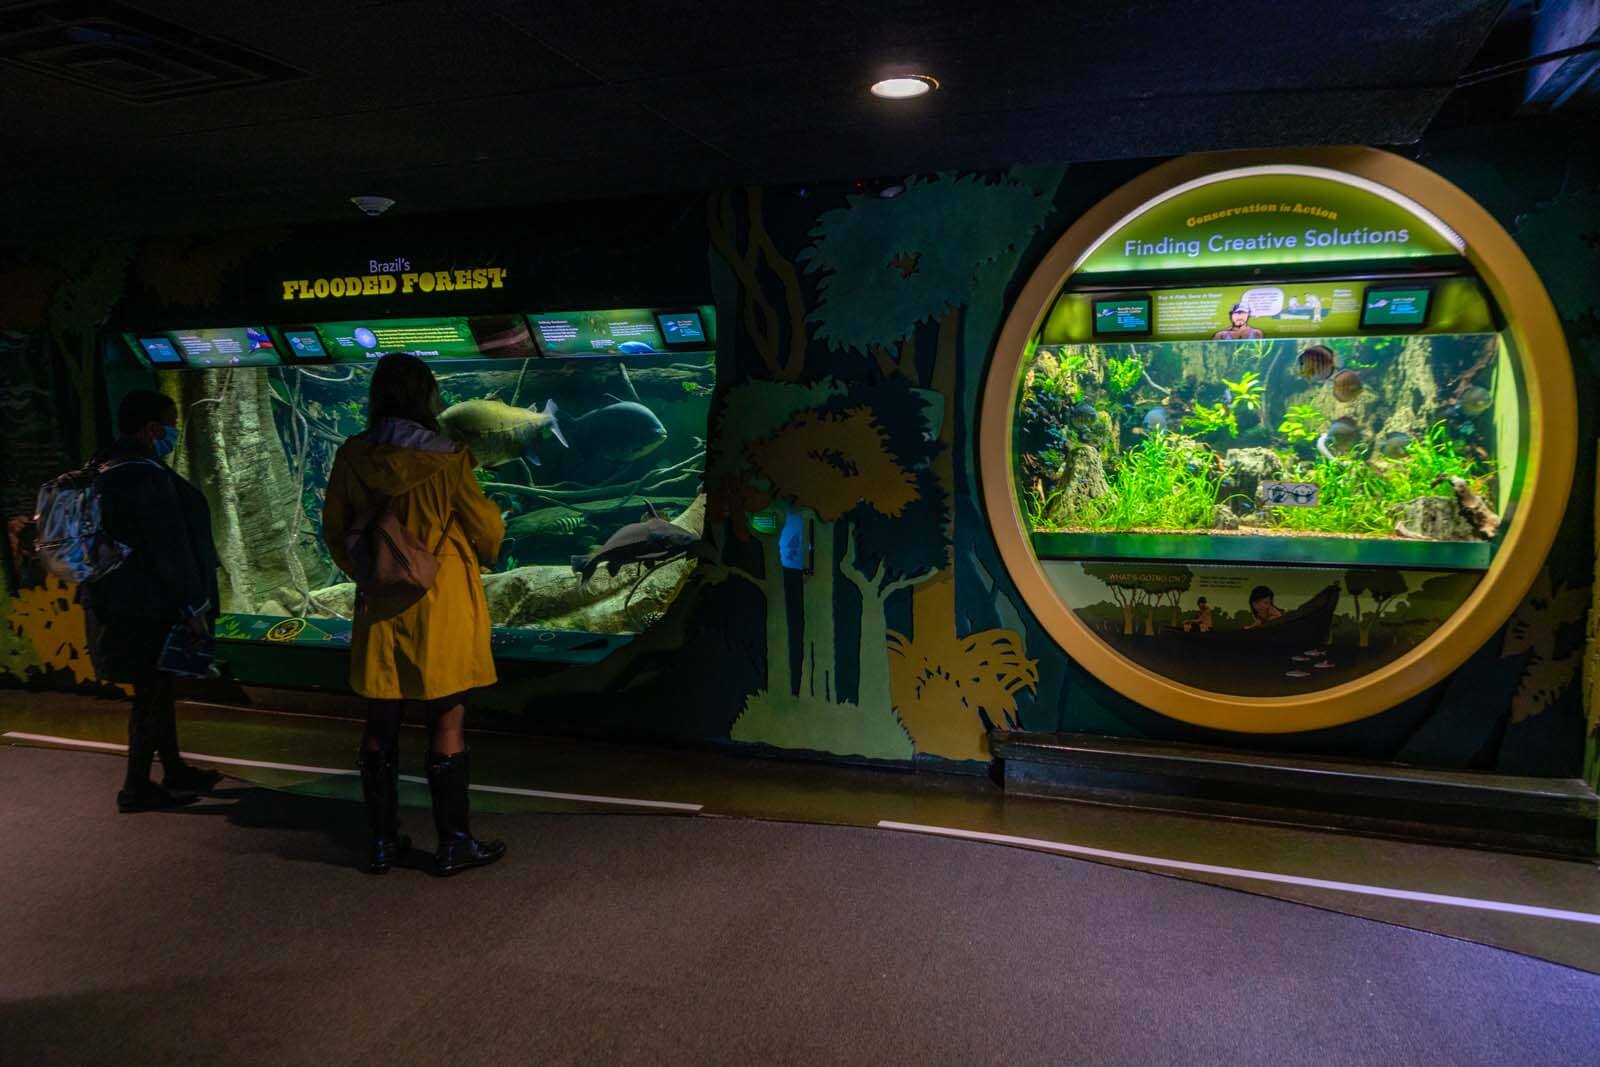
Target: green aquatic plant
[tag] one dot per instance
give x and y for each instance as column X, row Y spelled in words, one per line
column 1431, row 462
column 1162, row 483
column 1123, row 374
column 1352, row 498
column 1037, row 508
column 1061, row 380
column 1209, row 419
column 1356, row 495
column 1246, row 391
column 1301, row 422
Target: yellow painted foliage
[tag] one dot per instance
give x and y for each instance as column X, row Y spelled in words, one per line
column 830, row 461
column 942, row 682
column 50, row 619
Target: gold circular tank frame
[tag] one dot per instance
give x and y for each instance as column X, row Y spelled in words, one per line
column 1533, row 335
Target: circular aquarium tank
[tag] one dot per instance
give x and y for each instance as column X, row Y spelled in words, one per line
column 1274, row 441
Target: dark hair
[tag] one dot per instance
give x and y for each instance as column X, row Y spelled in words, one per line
column 403, row 387
column 1260, row 592
column 142, row 407
column 1202, row 600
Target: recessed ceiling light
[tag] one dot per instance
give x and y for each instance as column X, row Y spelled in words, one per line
column 905, row 86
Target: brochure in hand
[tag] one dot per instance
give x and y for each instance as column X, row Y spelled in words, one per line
column 188, row 654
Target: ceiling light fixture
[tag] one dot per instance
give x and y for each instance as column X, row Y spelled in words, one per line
column 372, row 205
column 905, row 86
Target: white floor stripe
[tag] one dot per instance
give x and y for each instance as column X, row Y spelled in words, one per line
column 233, row 761
column 1246, row 873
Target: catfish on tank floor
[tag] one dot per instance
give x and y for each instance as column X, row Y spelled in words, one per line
column 650, row 542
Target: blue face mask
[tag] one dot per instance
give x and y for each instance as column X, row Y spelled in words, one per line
column 167, row 442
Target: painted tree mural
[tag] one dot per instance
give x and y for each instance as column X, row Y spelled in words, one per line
column 891, row 273
column 1383, row 586
column 855, row 463
column 1126, row 588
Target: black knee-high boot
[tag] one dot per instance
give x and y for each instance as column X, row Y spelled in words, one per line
column 380, row 788
column 448, row 778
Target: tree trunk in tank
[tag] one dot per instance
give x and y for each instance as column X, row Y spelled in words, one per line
column 232, row 453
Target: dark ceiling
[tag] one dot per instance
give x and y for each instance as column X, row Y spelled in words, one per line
column 180, row 114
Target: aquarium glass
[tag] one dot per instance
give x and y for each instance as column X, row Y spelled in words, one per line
column 261, row 442
column 1343, row 449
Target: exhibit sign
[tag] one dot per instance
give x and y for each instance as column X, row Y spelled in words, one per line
column 385, row 278
column 1277, row 217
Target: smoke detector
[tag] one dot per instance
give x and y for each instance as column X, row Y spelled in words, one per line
column 372, row 205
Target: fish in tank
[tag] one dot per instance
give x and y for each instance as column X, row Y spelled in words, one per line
column 1376, row 437
column 597, row 466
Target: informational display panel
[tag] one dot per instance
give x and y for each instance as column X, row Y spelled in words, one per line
column 430, row 339
column 1273, row 308
column 240, row 346
column 617, row 332
column 1122, row 317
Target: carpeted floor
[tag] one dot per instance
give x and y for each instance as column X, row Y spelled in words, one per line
column 238, row 930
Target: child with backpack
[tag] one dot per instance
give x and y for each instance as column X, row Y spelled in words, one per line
column 404, row 517
column 144, row 553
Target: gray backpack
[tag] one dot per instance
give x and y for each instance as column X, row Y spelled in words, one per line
column 68, row 538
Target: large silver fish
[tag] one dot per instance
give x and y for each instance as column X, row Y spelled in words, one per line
column 498, row 433
column 624, row 430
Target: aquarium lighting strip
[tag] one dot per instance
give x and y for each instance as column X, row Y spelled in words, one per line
column 1433, row 221
column 1159, row 862
column 235, row 761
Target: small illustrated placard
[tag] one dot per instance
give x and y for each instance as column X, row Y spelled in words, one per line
column 1289, row 494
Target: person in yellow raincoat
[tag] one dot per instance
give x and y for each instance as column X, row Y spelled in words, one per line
column 425, row 657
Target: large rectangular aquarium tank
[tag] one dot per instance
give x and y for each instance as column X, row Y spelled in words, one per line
column 625, row 489
column 1397, row 449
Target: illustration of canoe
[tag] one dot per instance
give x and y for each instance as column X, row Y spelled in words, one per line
column 1305, row 627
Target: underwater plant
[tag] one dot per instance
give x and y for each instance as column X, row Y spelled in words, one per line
column 1352, row 497
column 1300, row 423
column 1162, row 483
column 1212, row 418
column 1430, row 463
column 1246, row 391
column 1123, row 374
column 1055, row 378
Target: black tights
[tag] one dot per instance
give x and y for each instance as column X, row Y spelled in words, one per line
column 445, row 717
